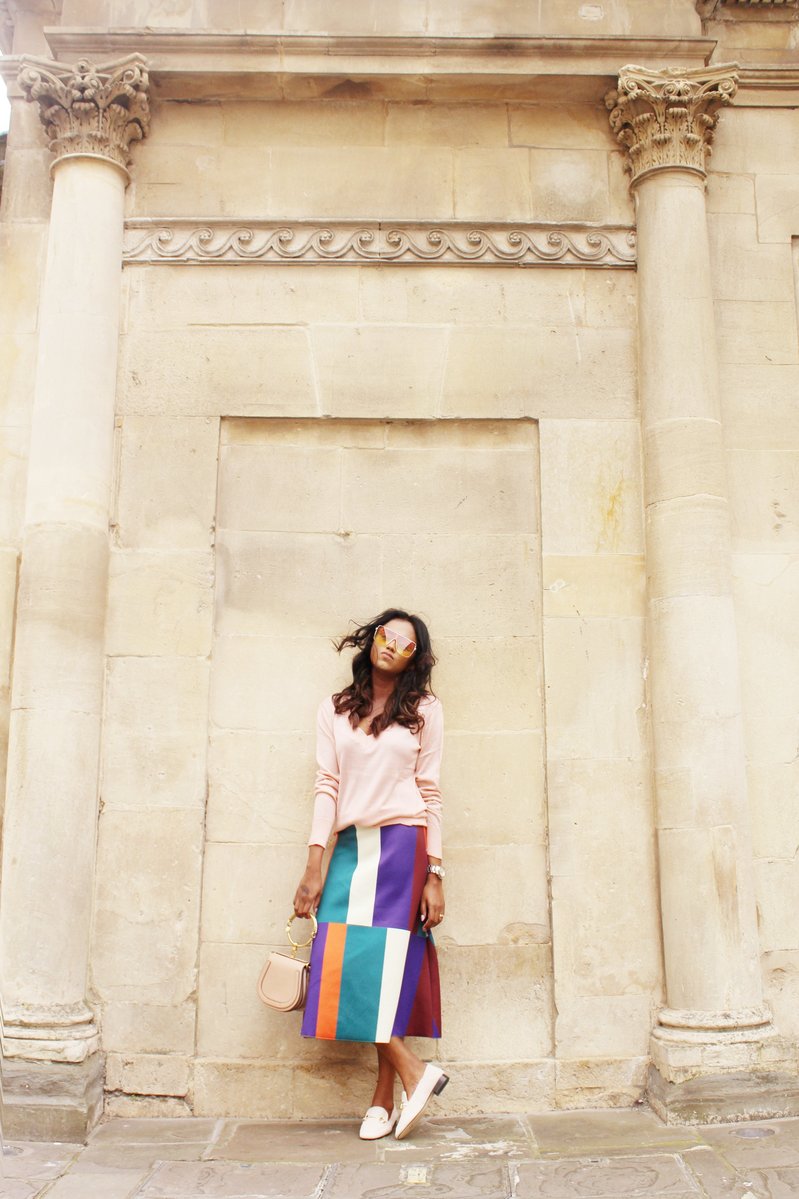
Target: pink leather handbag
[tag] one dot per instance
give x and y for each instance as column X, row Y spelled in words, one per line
column 283, row 984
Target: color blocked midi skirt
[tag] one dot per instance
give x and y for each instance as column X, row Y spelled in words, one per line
column 374, row 971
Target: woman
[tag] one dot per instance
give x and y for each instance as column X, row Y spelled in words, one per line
column 374, row 971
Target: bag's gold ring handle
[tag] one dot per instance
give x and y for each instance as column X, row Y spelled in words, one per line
column 289, row 922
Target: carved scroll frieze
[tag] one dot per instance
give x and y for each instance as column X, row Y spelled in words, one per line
column 667, row 118
column 402, row 242
column 91, row 110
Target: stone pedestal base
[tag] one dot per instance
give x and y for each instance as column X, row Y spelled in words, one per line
column 703, row 1076
column 718, row 1098
column 51, row 1101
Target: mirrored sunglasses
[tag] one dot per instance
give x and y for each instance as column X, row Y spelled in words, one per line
column 404, row 647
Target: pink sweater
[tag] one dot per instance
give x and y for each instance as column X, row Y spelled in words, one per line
column 390, row 779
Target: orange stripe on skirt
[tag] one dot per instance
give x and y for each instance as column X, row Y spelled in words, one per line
column 331, row 981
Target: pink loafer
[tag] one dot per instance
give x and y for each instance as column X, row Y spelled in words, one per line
column 377, row 1123
column 431, row 1083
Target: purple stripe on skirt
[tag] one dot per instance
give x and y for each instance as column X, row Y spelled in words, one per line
column 312, row 1006
column 398, row 851
column 417, row 947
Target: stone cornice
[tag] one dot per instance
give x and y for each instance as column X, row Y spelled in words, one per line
column 767, row 85
column 729, row 9
column 187, row 64
column 768, row 78
column 179, row 241
column 181, row 59
column 187, row 42
column 667, row 118
column 87, row 110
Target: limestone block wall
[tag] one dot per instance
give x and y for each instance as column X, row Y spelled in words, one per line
column 602, row 856
column 490, row 18
column 298, row 445
column 353, row 159
column 317, row 521
column 24, row 217
column 754, row 223
column 154, row 773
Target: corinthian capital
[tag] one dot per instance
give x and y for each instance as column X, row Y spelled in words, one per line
column 667, row 118
column 87, row 110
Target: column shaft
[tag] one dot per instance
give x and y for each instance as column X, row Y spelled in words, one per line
column 53, row 1070
column 715, row 1022
column 57, row 693
column 709, row 927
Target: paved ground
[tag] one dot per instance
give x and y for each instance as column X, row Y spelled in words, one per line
column 563, row 1155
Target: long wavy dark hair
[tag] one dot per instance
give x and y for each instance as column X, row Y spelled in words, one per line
column 413, row 684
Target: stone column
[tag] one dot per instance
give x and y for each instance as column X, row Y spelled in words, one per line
column 52, row 1067
column 715, row 1025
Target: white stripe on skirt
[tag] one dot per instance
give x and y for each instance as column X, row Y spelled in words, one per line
column 393, row 971
column 363, row 886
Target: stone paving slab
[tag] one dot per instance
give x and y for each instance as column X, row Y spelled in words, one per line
column 15, row 1188
column 608, row 1132
column 716, row 1177
column 607, row 1178
column 625, row 1154
column 505, row 1137
column 420, row 1181
column 772, row 1143
column 36, row 1161
column 108, row 1157
column 156, row 1132
column 233, row 1180
column 119, row 1185
column 282, row 1142
column 780, row 1183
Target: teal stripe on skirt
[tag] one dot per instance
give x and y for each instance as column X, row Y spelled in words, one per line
column 339, row 881
column 359, row 1000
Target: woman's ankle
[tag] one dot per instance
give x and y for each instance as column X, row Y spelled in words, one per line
column 412, row 1076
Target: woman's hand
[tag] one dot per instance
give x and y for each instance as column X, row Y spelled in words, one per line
column 307, row 895
column 306, row 898
column 432, row 907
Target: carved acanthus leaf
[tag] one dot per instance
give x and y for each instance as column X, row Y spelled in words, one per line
column 90, row 110
column 667, row 118
column 403, row 242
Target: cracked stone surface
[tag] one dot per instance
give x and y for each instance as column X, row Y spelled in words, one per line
column 625, row 1154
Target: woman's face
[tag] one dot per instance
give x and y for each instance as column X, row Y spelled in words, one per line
column 387, row 657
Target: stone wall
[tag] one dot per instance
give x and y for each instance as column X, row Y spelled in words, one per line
column 23, row 242
column 472, row 18
column 407, row 381
column 383, row 347
column 753, row 198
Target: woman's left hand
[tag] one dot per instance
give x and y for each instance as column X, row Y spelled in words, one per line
column 432, row 907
